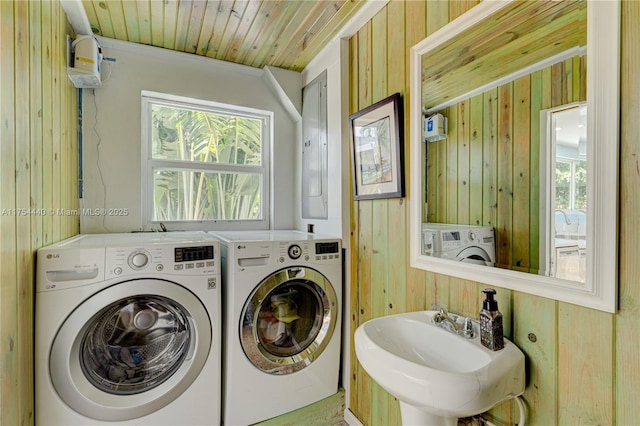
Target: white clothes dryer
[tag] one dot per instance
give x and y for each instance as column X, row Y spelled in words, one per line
column 282, row 293
column 128, row 330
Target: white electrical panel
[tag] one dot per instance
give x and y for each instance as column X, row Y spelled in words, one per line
column 314, row 149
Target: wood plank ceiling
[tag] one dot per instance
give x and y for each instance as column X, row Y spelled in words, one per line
column 519, row 35
column 280, row 33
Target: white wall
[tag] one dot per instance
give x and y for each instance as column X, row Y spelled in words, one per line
column 334, row 58
column 111, row 135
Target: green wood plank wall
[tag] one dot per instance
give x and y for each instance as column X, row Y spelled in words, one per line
column 583, row 366
column 38, row 171
column 627, row 323
column 516, row 218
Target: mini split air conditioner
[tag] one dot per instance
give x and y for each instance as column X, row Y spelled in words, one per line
column 84, row 69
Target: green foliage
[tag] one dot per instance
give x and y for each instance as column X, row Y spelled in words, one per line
column 206, row 140
column 563, row 185
column 581, row 185
column 564, row 177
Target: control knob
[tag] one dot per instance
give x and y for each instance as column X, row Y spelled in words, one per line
column 138, row 259
column 294, row 251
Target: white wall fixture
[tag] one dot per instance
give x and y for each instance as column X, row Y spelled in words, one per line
column 84, row 59
column 315, row 149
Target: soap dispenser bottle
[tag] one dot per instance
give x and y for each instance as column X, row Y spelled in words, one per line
column 491, row 332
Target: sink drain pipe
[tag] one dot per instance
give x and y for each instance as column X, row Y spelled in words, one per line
column 520, row 408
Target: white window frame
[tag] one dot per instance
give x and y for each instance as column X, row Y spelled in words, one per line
column 148, row 164
column 548, row 160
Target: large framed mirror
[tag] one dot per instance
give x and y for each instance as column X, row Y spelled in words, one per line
column 516, row 186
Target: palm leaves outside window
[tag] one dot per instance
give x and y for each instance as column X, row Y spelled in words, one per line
column 205, row 165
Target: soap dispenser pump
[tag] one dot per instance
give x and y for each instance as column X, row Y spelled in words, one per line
column 491, row 331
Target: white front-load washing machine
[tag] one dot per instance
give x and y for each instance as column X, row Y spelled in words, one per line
column 128, row 330
column 462, row 243
column 282, row 293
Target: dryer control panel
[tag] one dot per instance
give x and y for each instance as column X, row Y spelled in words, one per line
column 327, row 250
column 308, row 251
column 244, row 250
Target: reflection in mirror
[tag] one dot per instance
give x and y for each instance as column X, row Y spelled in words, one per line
column 485, row 176
column 491, row 172
column 566, row 146
column 515, row 37
column 491, row 82
column 462, row 243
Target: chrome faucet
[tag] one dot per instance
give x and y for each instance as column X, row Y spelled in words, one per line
column 450, row 323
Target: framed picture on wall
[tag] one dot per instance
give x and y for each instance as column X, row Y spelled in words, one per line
column 377, row 150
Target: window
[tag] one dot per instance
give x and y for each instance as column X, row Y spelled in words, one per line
column 571, row 184
column 565, row 155
column 204, row 163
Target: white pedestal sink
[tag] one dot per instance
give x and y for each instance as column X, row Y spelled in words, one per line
column 437, row 375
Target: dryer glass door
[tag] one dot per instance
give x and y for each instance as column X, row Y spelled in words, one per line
column 288, row 320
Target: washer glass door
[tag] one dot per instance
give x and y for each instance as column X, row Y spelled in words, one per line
column 476, row 255
column 135, row 344
column 130, row 349
column 288, row 320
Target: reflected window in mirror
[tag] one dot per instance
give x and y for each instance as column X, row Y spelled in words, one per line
column 564, row 245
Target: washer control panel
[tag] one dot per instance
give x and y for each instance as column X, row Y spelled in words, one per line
column 184, row 260
column 192, row 254
column 188, row 258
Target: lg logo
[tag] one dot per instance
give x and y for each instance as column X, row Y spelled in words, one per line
column 53, row 256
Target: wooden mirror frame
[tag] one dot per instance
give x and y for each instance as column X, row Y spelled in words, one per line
column 603, row 82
